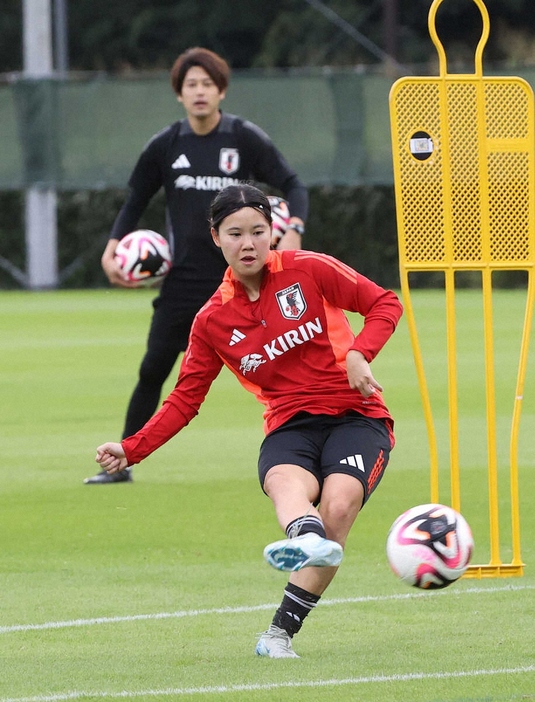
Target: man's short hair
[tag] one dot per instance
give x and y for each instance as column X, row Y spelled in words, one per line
column 216, row 67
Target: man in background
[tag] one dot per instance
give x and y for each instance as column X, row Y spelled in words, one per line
column 192, row 159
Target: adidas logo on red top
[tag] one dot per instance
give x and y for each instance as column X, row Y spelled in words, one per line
column 236, row 337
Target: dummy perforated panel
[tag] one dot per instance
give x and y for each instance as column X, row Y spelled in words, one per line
column 463, row 169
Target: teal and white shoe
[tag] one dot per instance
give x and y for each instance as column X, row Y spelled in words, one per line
column 275, row 643
column 302, row 552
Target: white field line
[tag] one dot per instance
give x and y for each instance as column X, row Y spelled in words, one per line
column 255, row 608
column 219, row 689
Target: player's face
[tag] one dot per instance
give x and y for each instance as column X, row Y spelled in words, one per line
column 200, row 95
column 244, row 238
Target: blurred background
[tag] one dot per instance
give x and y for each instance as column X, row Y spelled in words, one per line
column 314, row 74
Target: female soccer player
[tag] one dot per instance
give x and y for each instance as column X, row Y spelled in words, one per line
column 277, row 322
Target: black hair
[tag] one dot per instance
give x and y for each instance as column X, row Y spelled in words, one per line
column 235, row 197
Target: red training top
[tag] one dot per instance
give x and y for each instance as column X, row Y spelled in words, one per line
column 288, row 347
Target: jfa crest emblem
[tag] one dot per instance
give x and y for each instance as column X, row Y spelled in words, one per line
column 229, row 160
column 291, row 302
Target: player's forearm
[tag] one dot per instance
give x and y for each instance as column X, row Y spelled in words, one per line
column 297, row 195
column 379, row 324
column 129, row 215
column 165, row 424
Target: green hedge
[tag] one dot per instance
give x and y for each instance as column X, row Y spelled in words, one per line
column 357, row 225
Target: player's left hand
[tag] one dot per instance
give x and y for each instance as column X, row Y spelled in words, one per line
column 291, row 241
column 111, row 457
column 360, row 375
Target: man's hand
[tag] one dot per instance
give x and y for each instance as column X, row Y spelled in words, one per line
column 112, row 269
column 291, row 241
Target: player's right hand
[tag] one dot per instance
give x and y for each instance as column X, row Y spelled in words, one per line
column 117, row 277
column 111, row 267
column 111, row 457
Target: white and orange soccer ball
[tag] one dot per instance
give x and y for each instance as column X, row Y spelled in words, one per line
column 429, row 546
column 280, row 215
column 144, row 257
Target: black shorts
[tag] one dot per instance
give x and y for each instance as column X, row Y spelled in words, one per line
column 323, row 444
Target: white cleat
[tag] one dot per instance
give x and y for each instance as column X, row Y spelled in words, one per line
column 302, row 552
column 275, row 643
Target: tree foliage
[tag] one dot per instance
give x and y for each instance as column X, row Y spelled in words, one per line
column 140, row 35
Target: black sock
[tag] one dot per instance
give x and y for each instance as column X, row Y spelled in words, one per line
column 305, row 525
column 295, row 606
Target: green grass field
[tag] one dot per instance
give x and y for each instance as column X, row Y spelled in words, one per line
column 157, row 589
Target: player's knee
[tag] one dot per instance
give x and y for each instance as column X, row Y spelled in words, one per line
column 290, row 479
column 338, row 512
column 276, row 480
column 338, row 515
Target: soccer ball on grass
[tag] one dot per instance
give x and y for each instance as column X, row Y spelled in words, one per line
column 144, row 257
column 429, row 546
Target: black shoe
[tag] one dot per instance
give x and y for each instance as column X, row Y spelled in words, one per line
column 103, row 478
